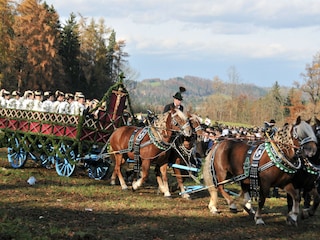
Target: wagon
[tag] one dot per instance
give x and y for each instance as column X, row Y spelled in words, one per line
column 65, row 141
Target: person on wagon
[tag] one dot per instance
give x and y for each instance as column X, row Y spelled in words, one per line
column 177, row 99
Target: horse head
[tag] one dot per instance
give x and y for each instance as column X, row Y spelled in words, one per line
column 306, row 137
column 198, row 134
column 178, row 121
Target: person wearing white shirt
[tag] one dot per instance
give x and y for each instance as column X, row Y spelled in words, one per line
column 27, row 103
column 77, row 107
column 37, row 102
column 47, row 101
column 59, row 99
column 15, row 101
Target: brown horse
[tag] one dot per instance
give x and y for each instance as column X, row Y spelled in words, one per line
column 184, row 153
column 145, row 145
column 188, row 152
column 305, row 179
column 259, row 167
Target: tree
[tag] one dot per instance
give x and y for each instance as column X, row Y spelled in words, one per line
column 6, row 36
column 36, row 46
column 311, row 85
column 70, row 52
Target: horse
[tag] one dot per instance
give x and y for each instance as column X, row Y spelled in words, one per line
column 259, row 167
column 305, row 179
column 145, row 145
column 186, row 151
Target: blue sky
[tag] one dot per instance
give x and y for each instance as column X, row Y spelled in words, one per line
column 264, row 41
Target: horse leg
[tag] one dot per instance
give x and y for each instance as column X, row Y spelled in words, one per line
column 179, row 178
column 213, row 191
column 312, row 209
column 117, row 172
column 163, row 180
column 145, row 166
column 159, row 179
column 292, row 218
column 247, row 203
column 228, row 198
column 258, row 216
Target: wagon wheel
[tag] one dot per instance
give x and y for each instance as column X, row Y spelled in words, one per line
column 17, row 156
column 98, row 169
column 63, row 166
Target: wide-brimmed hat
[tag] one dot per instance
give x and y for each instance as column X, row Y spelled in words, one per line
column 178, row 96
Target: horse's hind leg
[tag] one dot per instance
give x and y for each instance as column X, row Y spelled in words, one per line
column 228, row 198
column 117, row 172
column 213, row 191
column 316, row 200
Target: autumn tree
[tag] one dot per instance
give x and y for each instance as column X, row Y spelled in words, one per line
column 36, row 46
column 311, row 83
column 6, row 36
column 293, row 105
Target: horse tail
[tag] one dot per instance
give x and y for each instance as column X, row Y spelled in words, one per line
column 209, row 178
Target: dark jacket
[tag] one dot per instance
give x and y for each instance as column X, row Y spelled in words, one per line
column 171, row 105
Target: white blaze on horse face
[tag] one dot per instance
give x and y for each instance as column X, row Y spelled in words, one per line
column 185, row 127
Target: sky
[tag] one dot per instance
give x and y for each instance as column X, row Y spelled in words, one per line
column 262, row 41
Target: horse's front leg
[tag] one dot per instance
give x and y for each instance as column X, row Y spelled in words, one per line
column 161, row 186
column 145, row 166
column 164, row 180
column 247, row 204
column 292, row 218
column 258, row 216
column 179, row 178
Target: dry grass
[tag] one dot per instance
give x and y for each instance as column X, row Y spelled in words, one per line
column 82, row 208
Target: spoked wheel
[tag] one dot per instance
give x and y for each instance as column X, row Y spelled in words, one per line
column 47, row 161
column 63, row 166
column 98, row 170
column 17, row 156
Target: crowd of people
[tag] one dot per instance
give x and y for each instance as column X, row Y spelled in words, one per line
column 52, row 102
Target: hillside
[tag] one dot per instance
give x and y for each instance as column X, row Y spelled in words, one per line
column 155, row 93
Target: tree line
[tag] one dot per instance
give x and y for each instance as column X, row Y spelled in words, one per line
column 37, row 52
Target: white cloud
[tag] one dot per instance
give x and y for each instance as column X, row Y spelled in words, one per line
column 286, row 30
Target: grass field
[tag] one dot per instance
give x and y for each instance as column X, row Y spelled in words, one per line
column 82, row 208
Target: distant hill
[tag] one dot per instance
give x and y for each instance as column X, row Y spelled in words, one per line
column 155, row 93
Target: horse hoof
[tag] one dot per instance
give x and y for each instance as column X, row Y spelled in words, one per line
column 249, row 211
column 215, row 212
column 291, row 222
column 259, row 221
column 305, row 214
column 233, row 210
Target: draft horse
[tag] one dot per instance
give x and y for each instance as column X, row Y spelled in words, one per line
column 259, row 167
column 145, row 145
column 186, row 152
column 305, row 180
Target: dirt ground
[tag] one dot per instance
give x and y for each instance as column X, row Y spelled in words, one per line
column 82, row 208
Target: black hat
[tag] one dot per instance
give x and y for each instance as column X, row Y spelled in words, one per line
column 272, row 121
column 178, row 96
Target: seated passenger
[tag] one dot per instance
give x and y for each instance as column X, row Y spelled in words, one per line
column 47, row 101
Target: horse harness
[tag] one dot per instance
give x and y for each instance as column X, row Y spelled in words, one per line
column 135, row 144
column 252, row 170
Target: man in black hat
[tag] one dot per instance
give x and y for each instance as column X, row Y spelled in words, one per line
column 177, row 99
